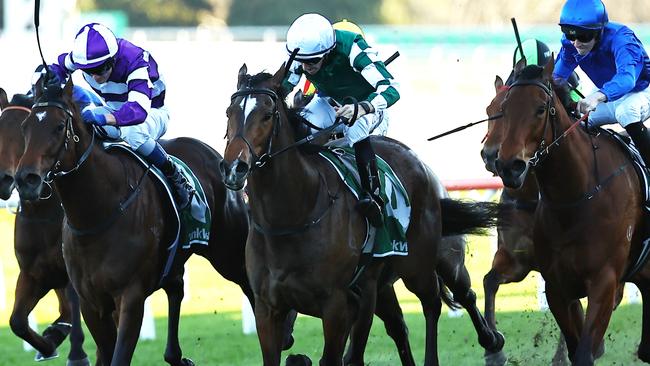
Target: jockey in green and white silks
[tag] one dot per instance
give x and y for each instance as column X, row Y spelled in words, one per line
column 341, row 64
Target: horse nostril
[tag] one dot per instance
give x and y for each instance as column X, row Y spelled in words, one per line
column 518, row 167
column 7, row 180
column 241, row 168
column 32, row 179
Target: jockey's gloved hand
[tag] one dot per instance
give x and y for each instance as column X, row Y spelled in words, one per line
column 590, row 102
column 95, row 117
column 347, row 111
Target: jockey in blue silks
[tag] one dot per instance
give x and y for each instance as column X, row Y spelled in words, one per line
column 126, row 77
column 617, row 63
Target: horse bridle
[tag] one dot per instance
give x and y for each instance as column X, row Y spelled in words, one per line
column 54, row 171
column 543, row 150
column 260, row 161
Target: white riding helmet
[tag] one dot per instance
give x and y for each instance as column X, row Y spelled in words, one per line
column 93, row 45
column 312, row 34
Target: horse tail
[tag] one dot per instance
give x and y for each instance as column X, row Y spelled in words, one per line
column 469, row 217
column 446, row 295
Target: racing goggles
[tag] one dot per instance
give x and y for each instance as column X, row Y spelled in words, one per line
column 583, row 36
column 100, row 69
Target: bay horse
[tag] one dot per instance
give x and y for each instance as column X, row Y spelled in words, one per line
column 37, row 244
column 305, row 241
column 455, row 277
column 117, row 227
column 588, row 227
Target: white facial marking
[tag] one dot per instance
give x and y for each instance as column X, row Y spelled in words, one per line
column 40, row 116
column 250, row 106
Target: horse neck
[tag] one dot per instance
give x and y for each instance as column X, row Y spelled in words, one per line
column 285, row 190
column 93, row 190
column 567, row 172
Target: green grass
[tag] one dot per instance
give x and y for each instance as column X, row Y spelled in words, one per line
column 216, row 339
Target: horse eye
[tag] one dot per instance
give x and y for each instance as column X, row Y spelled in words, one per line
column 541, row 110
column 268, row 116
column 60, row 127
column 228, row 112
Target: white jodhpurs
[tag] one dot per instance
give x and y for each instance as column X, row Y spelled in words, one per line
column 145, row 133
column 631, row 108
column 321, row 114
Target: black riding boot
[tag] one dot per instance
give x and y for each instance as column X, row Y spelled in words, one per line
column 183, row 190
column 641, row 138
column 370, row 202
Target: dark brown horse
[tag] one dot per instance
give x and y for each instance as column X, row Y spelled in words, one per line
column 515, row 256
column 37, row 244
column 588, row 225
column 455, row 276
column 305, row 243
column 117, row 227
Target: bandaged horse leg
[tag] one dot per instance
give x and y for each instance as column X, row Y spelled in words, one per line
column 369, row 203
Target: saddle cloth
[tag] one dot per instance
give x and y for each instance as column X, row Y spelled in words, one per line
column 643, row 173
column 391, row 238
column 193, row 221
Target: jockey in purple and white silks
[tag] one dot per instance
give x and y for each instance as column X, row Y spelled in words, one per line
column 127, row 78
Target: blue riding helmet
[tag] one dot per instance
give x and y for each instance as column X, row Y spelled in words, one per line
column 584, row 14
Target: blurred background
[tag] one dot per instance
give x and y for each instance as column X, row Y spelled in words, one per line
column 451, row 51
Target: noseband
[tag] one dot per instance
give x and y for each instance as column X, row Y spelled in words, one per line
column 55, row 171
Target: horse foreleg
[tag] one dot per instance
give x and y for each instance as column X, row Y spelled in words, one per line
column 173, row 352
column 269, row 331
column 338, row 313
column 427, row 291
column 131, row 311
column 362, row 324
column 491, row 283
column 602, row 298
column 388, row 310
column 28, row 293
column 77, row 356
column 103, row 330
column 643, row 351
column 568, row 315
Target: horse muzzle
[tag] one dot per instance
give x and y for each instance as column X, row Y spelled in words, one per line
column 512, row 172
column 489, row 156
column 7, row 184
column 29, row 185
column 234, row 174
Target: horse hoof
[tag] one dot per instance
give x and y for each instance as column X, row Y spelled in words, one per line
column 41, row 357
column 297, row 360
column 187, row 362
column 288, row 343
column 495, row 358
column 82, row 362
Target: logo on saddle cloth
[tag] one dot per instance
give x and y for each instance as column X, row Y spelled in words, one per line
column 391, row 238
column 193, row 222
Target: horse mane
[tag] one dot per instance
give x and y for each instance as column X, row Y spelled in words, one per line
column 22, row 100
column 297, row 121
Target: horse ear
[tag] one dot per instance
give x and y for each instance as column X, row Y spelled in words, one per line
column 38, row 86
column 3, row 99
column 278, row 77
column 241, row 77
column 520, row 65
column 549, row 67
column 498, row 84
column 67, row 89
